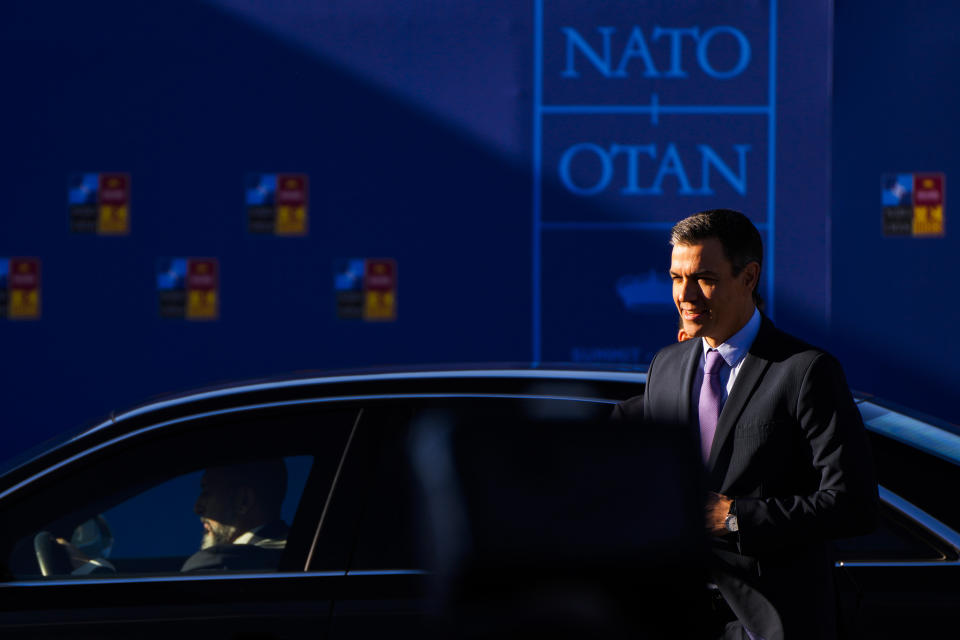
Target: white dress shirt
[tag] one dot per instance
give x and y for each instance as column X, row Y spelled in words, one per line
column 733, row 351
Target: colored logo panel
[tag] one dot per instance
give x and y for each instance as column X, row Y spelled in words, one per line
column 366, row 289
column 913, row 204
column 380, row 284
column 113, row 213
column 277, row 204
column 202, row 289
column 21, row 280
column 291, row 205
column 188, row 288
column 99, row 203
column 928, row 201
column 4, row 273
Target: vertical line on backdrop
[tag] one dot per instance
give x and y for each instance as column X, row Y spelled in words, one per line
column 537, row 106
column 828, row 271
column 772, row 163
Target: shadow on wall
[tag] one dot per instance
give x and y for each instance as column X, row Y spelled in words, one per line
column 189, row 99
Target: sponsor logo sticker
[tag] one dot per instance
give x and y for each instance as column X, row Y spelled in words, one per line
column 188, row 288
column 20, row 288
column 913, row 204
column 366, row 289
column 277, row 203
column 99, row 203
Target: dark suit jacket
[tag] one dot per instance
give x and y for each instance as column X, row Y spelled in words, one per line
column 791, row 450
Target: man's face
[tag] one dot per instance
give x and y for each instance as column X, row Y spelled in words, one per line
column 216, row 506
column 712, row 302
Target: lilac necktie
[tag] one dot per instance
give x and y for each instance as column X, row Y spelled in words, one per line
column 709, row 403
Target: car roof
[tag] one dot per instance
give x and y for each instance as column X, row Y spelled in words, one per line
column 509, row 378
column 523, row 380
column 318, row 381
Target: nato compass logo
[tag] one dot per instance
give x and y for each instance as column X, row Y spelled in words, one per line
column 897, row 201
column 261, row 198
column 645, row 293
column 172, row 287
column 898, row 190
column 348, row 283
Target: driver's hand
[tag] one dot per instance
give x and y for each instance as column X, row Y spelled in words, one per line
column 77, row 558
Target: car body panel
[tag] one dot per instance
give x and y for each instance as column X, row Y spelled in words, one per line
column 330, row 587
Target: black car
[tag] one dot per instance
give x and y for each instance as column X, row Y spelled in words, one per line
column 97, row 528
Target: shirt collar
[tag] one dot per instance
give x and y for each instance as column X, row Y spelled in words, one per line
column 735, row 349
column 248, row 537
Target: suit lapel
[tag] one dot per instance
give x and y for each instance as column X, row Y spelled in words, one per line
column 688, row 372
column 748, row 378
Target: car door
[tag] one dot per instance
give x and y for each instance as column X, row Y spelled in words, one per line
column 374, row 514
column 902, row 580
column 125, row 508
column 397, row 459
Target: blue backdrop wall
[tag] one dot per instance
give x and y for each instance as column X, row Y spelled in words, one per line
column 895, row 105
column 519, row 162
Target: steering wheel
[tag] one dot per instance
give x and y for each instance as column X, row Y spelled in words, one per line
column 53, row 558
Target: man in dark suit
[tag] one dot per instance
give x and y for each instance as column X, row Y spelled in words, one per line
column 239, row 507
column 788, row 462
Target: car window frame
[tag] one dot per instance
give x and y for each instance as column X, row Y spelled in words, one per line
column 926, row 529
column 43, row 488
column 399, row 412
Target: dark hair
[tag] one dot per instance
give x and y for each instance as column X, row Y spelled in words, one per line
column 740, row 240
column 267, row 478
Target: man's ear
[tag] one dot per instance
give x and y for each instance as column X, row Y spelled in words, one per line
column 243, row 500
column 751, row 275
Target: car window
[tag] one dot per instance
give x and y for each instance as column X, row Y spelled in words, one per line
column 130, row 538
column 896, row 539
column 391, row 529
column 231, row 494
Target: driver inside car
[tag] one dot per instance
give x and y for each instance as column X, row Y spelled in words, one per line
column 239, row 507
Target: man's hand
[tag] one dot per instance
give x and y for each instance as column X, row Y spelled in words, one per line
column 77, row 558
column 717, row 508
